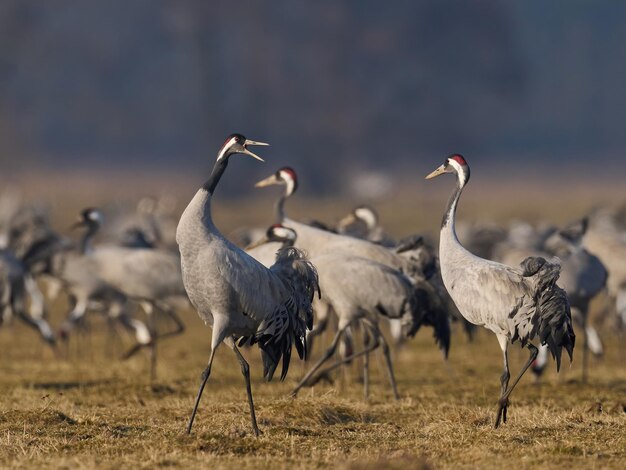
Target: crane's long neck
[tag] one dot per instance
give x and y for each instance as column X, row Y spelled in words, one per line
column 447, row 224
column 86, row 243
column 216, row 175
column 202, row 201
column 279, row 207
column 196, row 223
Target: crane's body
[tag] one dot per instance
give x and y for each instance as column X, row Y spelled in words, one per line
column 221, row 279
column 318, row 242
column 522, row 304
column 240, row 298
column 346, row 283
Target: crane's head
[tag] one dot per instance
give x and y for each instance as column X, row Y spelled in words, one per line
column 89, row 217
column 284, row 176
column 276, row 233
column 454, row 164
column 280, row 233
column 236, row 143
column 367, row 215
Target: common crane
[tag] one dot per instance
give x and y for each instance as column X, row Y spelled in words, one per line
column 516, row 304
column 239, row 297
column 361, row 290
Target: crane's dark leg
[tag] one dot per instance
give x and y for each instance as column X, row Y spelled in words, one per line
column 504, row 399
column 171, row 313
column 503, row 404
column 327, row 355
column 366, row 364
column 584, row 312
column 318, row 329
column 346, row 360
column 153, row 344
column 387, row 353
column 204, row 379
column 245, row 370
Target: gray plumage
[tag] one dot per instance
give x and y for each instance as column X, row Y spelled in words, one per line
column 237, row 295
column 346, row 284
column 14, row 289
column 150, row 276
column 582, row 276
column 604, row 239
column 516, row 304
column 317, row 242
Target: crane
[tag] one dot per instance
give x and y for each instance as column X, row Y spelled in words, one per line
column 242, row 300
column 514, row 303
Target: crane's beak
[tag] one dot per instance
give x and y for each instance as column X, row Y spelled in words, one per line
column 348, row 219
column 79, row 223
column 269, row 181
column 261, row 241
column 248, row 152
column 439, row 171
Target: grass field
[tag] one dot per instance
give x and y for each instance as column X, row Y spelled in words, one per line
column 89, row 409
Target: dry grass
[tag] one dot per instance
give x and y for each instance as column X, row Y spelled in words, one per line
column 90, row 409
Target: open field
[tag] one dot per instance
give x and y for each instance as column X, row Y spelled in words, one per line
column 90, row 409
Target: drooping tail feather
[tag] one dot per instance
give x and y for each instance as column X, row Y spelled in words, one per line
column 553, row 317
column 426, row 309
column 289, row 322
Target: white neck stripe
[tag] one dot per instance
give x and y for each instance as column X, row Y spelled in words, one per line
column 225, row 147
column 459, row 171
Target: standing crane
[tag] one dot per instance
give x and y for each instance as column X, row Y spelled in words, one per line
column 516, row 304
column 78, row 274
column 317, row 242
column 583, row 277
column 346, row 284
column 239, row 297
column 148, row 276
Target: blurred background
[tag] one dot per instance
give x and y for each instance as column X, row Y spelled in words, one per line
column 362, row 97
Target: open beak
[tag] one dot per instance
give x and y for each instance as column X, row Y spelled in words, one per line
column 261, row 241
column 252, row 154
column 439, row 171
column 269, row 181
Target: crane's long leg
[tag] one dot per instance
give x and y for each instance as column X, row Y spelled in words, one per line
column 149, row 308
column 366, row 365
column 327, row 355
column 504, row 380
column 387, row 353
column 318, row 329
column 585, row 344
column 504, row 399
column 179, row 329
column 204, row 379
column 375, row 344
column 245, row 370
column 171, row 313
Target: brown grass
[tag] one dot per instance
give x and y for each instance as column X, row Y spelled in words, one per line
column 90, row 410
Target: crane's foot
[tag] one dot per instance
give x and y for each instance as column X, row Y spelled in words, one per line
column 503, row 405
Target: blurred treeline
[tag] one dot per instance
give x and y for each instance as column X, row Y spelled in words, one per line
column 335, row 86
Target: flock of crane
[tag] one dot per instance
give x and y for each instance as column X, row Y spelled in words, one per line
column 282, row 286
